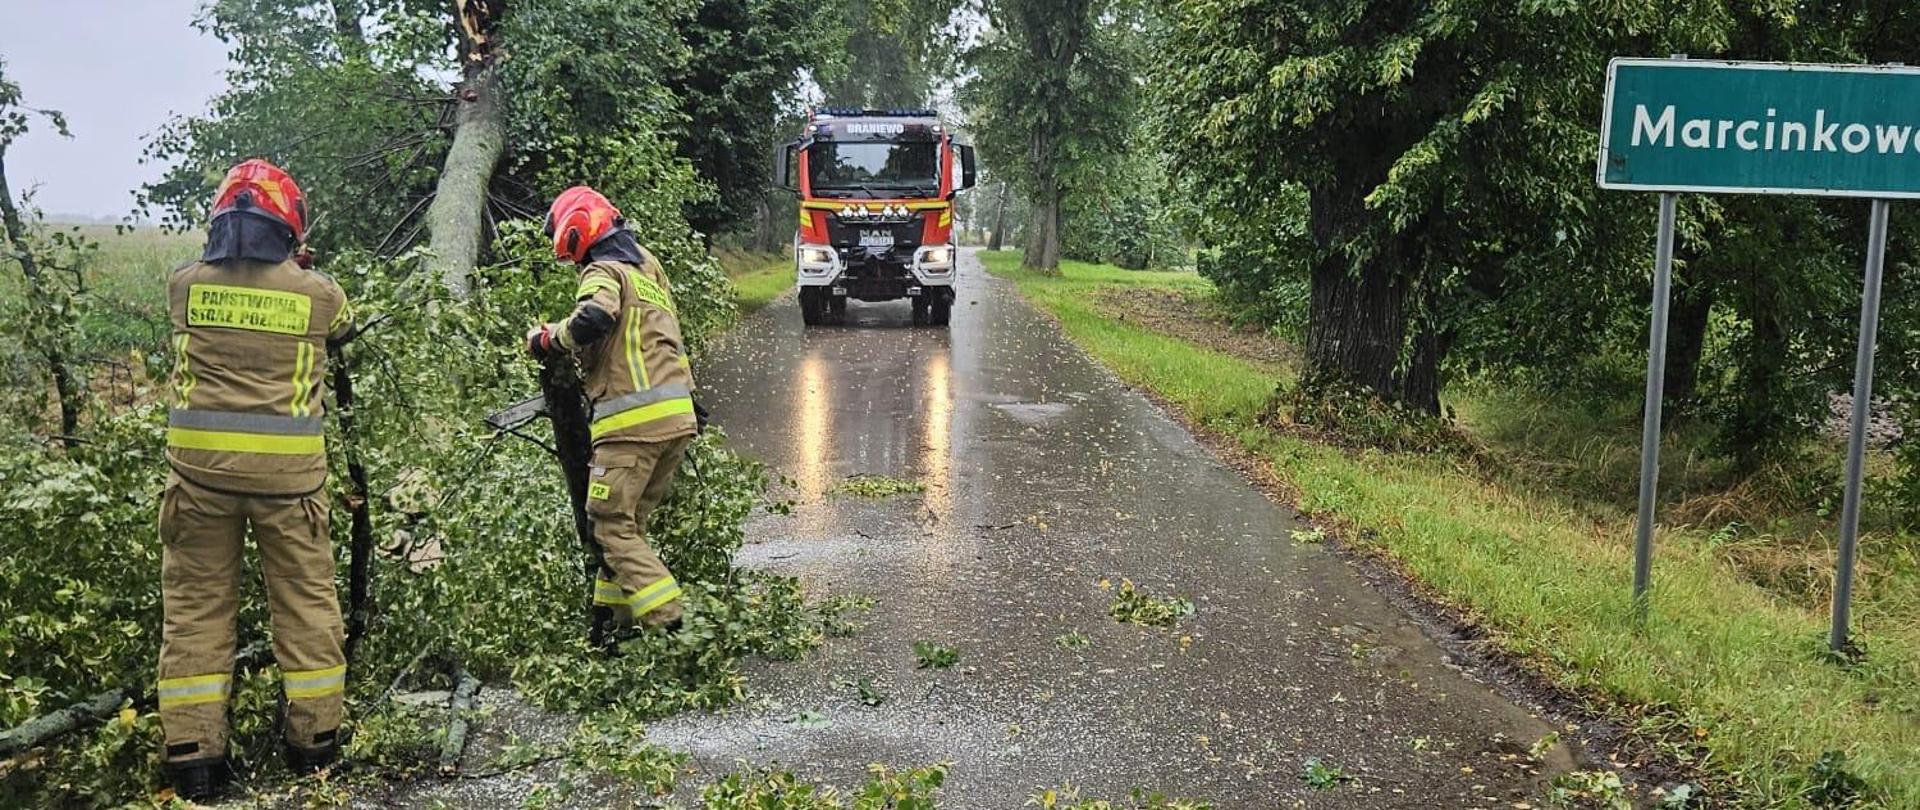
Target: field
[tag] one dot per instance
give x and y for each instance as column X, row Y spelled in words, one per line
column 1527, row 531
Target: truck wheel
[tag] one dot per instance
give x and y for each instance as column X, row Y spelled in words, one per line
column 942, row 311
column 813, row 308
column 836, row 310
column 920, row 306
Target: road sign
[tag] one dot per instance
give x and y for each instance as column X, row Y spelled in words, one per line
column 1676, row 125
column 1682, row 125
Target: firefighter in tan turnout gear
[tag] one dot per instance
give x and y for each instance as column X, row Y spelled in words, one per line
column 626, row 333
column 246, row 444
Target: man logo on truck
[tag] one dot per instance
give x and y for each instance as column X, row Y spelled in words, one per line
column 876, row 195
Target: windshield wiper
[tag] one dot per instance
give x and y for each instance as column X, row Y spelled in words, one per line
column 875, row 192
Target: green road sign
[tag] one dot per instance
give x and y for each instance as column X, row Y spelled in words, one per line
column 1761, row 128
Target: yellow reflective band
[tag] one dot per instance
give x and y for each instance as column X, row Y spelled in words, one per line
column 806, row 219
column 636, row 356
column 593, row 285
column 315, row 682
column 657, row 602
column 182, row 368
column 255, row 310
column 344, row 316
column 946, row 218
column 641, row 416
column 607, row 593
column 599, row 490
column 267, row 444
column 193, row 690
column 928, row 206
column 302, row 364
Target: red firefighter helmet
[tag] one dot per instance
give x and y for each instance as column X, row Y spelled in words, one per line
column 258, row 186
column 579, row 217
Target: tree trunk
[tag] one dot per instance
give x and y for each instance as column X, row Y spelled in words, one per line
column 1420, row 383
column 1043, row 236
column 1356, row 324
column 998, row 240
column 1762, row 414
column 457, row 218
column 51, row 342
column 1687, row 341
column 346, row 21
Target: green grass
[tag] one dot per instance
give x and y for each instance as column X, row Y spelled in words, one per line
column 126, row 279
column 757, row 278
column 1726, row 674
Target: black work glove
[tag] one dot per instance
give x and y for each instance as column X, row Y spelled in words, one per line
column 700, row 417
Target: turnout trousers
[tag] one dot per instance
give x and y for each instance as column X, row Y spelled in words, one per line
column 628, row 479
column 202, row 533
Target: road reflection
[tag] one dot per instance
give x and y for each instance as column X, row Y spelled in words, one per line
column 812, row 469
column 936, row 440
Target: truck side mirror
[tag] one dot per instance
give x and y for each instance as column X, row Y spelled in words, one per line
column 969, row 175
column 785, row 163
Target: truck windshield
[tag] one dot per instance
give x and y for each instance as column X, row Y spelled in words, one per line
column 874, row 169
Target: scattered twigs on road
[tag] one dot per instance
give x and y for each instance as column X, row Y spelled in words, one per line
column 456, row 743
column 517, row 768
column 402, row 677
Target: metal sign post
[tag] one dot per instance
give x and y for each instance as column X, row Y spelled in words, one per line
column 1656, row 398
column 1857, row 439
column 1679, row 125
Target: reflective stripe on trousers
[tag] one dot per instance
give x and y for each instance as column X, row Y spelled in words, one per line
column 644, row 601
column 654, row 596
column 194, row 689
column 194, row 429
column 313, row 683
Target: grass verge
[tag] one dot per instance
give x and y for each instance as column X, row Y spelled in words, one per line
column 757, row 278
column 1727, row 675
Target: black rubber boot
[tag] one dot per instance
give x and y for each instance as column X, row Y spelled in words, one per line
column 199, row 780
column 302, row 760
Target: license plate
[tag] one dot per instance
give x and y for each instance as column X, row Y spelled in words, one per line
column 876, row 238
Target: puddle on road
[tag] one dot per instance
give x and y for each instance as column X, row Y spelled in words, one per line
column 1035, row 413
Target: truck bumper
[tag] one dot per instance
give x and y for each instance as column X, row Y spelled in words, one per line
column 870, row 280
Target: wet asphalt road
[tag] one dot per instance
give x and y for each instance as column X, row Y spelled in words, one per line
column 1045, row 478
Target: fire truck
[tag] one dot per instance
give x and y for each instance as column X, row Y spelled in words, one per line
column 876, row 192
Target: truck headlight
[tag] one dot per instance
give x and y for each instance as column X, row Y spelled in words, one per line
column 937, row 255
column 816, row 256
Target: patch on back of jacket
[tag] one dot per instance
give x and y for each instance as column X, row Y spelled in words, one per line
column 276, row 311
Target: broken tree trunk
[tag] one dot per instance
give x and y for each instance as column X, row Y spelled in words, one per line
column 457, row 218
column 456, row 221
column 54, row 725
column 51, row 725
column 461, row 705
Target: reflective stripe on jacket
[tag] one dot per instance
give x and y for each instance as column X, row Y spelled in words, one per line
column 249, row 374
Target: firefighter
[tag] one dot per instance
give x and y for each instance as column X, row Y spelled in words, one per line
column 246, row 445
column 626, row 333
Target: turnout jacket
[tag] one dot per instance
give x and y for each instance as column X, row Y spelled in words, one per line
column 250, row 374
column 637, row 375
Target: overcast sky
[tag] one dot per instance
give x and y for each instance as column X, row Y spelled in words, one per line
column 118, row 69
